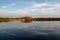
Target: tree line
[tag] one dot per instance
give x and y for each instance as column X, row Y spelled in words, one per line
column 29, row 19
column 46, row 19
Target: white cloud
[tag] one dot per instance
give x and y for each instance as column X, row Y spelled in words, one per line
column 39, row 5
column 36, row 5
column 57, row 5
column 20, row 11
column 36, row 9
column 8, row 5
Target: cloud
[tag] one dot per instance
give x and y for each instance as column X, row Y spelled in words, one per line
column 36, row 5
column 54, row 9
column 20, row 11
column 35, row 9
column 39, row 5
column 8, row 5
column 57, row 5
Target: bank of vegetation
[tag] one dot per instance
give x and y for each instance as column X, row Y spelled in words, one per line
column 46, row 19
column 28, row 19
column 4, row 20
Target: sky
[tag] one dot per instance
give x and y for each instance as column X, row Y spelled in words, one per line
column 33, row 8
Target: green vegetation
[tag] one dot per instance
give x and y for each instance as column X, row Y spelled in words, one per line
column 46, row 19
column 4, row 20
column 28, row 19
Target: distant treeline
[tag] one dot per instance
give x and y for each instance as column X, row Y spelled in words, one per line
column 46, row 19
column 22, row 19
column 28, row 19
column 4, row 20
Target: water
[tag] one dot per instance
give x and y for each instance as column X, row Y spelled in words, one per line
column 36, row 30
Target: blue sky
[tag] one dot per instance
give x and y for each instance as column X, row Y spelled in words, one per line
column 33, row 8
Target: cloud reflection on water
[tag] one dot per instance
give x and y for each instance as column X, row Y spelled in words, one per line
column 34, row 29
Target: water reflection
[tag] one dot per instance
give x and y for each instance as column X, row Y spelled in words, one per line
column 36, row 30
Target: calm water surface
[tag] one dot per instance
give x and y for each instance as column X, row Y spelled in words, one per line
column 36, row 30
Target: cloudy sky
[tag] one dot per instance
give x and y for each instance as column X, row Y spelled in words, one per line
column 33, row 8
